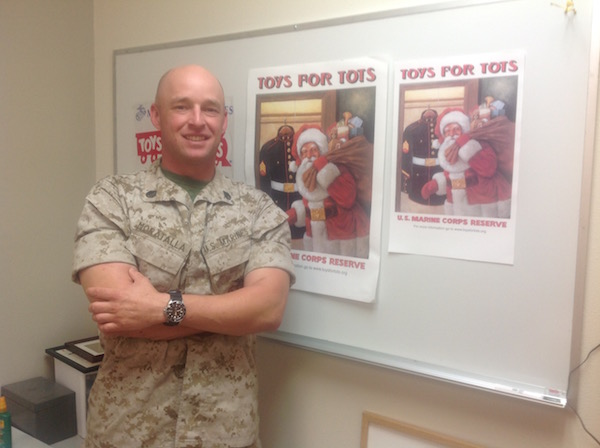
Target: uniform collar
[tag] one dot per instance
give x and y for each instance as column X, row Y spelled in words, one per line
column 157, row 188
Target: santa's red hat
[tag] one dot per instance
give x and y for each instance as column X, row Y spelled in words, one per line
column 452, row 115
column 306, row 134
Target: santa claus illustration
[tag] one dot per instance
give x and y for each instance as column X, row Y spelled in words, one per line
column 471, row 181
column 334, row 221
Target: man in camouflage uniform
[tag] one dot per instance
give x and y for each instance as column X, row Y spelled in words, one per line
column 181, row 227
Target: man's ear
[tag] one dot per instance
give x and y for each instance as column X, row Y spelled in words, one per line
column 154, row 116
column 225, row 124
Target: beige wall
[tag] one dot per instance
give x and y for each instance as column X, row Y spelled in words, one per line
column 56, row 85
column 46, row 167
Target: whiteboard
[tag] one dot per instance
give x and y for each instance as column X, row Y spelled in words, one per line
column 503, row 328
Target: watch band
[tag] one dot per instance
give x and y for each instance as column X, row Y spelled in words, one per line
column 176, row 295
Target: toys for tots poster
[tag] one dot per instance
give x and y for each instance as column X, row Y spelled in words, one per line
column 456, row 153
column 316, row 134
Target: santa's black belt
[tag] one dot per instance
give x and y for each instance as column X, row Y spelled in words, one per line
column 322, row 213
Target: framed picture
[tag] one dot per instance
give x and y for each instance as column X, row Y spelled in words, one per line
column 379, row 431
column 72, row 359
column 89, row 349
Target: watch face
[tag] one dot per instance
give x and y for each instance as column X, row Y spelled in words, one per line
column 175, row 311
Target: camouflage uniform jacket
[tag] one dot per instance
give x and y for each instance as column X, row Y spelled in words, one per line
column 199, row 391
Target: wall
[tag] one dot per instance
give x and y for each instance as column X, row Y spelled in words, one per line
column 46, row 142
column 314, row 400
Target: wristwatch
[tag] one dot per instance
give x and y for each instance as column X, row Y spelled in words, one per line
column 175, row 309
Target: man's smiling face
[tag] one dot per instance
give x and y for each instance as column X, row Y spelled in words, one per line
column 190, row 113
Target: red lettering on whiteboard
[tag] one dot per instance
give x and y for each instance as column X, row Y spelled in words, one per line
column 149, row 144
column 222, row 153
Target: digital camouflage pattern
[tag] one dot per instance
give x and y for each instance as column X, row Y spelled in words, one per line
column 199, row 391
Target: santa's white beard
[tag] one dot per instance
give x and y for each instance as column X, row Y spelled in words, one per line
column 459, row 167
column 319, row 193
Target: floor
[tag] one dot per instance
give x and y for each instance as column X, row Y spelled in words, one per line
column 23, row 440
column 73, row 442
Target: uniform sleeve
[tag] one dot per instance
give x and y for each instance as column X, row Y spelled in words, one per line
column 102, row 230
column 271, row 245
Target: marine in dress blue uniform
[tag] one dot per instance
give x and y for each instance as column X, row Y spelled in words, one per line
column 419, row 157
column 276, row 179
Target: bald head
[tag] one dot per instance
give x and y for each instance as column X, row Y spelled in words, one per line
column 196, row 72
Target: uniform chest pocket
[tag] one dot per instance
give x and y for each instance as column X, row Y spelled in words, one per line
column 227, row 264
column 158, row 260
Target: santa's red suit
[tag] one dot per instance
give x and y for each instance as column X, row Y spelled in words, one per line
column 335, row 222
column 473, row 185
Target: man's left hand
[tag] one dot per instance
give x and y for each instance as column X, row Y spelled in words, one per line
column 131, row 308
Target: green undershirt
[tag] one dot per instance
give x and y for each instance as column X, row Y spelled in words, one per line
column 192, row 186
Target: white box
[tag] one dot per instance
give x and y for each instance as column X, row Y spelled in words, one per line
column 80, row 383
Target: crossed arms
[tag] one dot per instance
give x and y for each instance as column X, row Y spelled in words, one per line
column 123, row 302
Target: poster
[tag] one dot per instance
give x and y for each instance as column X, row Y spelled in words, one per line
column 146, row 145
column 316, row 134
column 456, row 156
